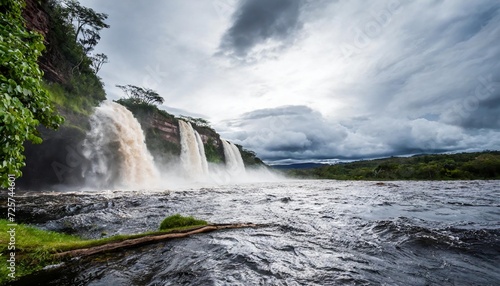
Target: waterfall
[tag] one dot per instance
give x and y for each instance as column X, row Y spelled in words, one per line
column 201, row 148
column 116, row 150
column 193, row 158
column 234, row 162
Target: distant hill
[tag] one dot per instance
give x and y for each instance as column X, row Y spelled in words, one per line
column 461, row 166
column 300, row 166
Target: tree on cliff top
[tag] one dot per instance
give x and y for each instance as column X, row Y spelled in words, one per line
column 24, row 104
column 88, row 23
column 140, row 95
column 98, row 61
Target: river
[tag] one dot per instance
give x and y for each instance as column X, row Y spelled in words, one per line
column 320, row 233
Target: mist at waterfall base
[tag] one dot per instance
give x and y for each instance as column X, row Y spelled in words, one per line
column 119, row 158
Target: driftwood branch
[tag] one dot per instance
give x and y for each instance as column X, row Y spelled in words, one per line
column 134, row 242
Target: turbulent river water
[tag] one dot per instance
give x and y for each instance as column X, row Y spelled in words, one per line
column 320, row 233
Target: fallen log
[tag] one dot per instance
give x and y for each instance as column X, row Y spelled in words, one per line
column 149, row 239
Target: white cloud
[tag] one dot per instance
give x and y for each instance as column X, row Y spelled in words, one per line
column 378, row 78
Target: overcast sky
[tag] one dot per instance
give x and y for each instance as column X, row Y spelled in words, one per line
column 304, row 80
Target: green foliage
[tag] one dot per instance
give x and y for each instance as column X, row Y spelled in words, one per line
column 140, row 95
column 98, row 60
column 197, row 121
column 24, row 103
column 211, row 152
column 68, row 101
column 36, row 242
column 463, row 166
column 88, row 23
column 177, row 220
column 68, row 65
column 249, row 157
column 143, row 109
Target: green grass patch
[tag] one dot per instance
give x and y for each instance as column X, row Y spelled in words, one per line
column 34, row 248
column 63, row 98
column 177, row 220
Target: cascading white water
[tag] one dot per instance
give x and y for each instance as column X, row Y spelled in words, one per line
column 116, row 150
column 201, row 148
column 234, row 162
column 193, row 158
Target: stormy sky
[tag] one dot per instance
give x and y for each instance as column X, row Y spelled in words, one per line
column 304, row 80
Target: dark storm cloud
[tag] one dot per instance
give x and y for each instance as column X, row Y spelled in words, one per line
column 444, row 62
column 287, row 131
column 301, row 133
column 256, row 21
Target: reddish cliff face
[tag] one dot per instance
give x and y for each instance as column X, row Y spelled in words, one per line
column 168, row 129
column 36, row 19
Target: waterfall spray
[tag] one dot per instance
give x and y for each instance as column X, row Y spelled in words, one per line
column 116, row 150
column 193, row 158
column 201, row 148
column 234, row 162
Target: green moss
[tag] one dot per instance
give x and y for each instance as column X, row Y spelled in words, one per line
column 211, row 152
column 177, row 220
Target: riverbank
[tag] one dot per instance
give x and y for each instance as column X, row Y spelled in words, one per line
column 29, row 249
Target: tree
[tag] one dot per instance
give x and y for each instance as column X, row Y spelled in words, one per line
column 196, row 121
column 88, row 23
column 141, row 95
column 24, row 104
column 97, row 61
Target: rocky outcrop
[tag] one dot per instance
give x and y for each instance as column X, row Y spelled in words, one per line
column 168, row 129
column 36, row 18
